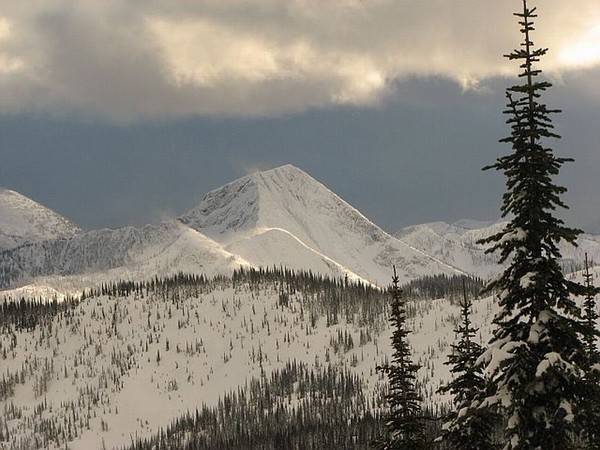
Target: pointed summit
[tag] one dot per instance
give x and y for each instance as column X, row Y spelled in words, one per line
column 284, row 197
column 235, row 206
column 23, row 220
column 284, row 216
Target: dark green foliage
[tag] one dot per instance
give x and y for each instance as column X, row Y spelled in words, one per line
column 442, row 286
column 296, row 408
column 26, row 314
column 466, row 427
column 590, row 316
column 537, row 356
column 404, row 421
column 591, row 414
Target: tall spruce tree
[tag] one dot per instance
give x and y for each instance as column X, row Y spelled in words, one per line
column 536, row 360
column 590, row 316
column 466, row 427
column 404, row 422
column 591, row 414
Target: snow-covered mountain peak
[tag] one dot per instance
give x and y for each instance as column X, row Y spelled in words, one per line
column 24, row 220
column 290, row 176
column 287, row 170
column 476, row 229
column 285, row 216
column 285, row 197
column 431, row 229
column 227, row 209
column 234, row 207
column 280, row 217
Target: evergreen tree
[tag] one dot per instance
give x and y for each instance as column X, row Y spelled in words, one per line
column 466, row 427
column 591, row 419
column 590, row 316
column 537, row 357
column 404, row 421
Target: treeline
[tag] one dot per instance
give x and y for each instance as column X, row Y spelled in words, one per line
column 443, row 286
column 320, row 296
column 296, row 407
column 26, row 314
column 332, row 298
column 291, row 281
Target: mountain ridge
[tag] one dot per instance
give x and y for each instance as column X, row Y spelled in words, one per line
column 278, row 217
column 279, row 200
column 23, row 220
column 459, row 245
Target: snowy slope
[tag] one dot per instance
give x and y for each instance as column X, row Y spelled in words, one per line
column 88, row 259
column 279, row 217
column 266, row 213
column 456, row 244
column 118, row 368
column 23, row 220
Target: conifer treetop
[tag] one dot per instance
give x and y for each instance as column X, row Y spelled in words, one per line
column 590, row 315
column 535, row 363
column 404, row 420
column 466, row 427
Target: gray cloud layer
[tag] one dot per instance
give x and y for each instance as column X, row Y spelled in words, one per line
column 130, row 60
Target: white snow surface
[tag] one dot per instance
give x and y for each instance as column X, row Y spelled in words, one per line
column 218, row 332
column 456, row 245
column 130, row 253
column 100, row 352
column 334, row 233
column 279, row 217
column 23, row 220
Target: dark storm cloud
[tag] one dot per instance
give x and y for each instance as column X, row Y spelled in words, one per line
column 124, row 61
column 412, row 161
column 123, row 112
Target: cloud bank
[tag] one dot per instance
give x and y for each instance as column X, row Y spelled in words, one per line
column 128, row 60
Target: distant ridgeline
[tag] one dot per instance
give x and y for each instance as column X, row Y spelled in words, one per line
column 322, row 295
column 290, row 281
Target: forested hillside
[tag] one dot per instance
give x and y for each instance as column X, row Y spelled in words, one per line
column 235, row 357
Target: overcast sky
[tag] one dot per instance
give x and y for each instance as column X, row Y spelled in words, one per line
column 120, row 112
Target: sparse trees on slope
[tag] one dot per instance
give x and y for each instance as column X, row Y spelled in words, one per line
column 537, row 357
column 404, row 421
column 466, row 427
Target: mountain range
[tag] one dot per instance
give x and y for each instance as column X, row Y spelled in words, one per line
column 130, row 359
column 278, row 217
